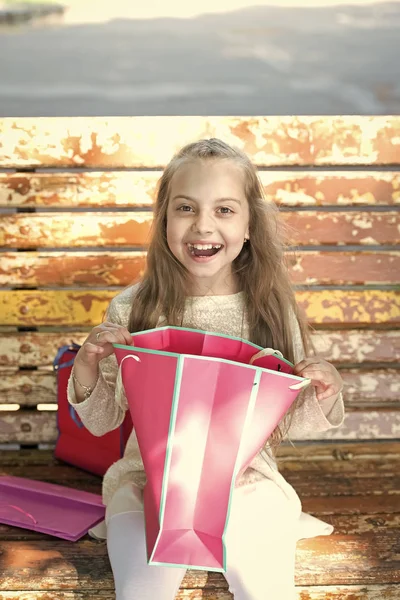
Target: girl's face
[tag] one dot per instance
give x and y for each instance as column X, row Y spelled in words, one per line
column 207, row 222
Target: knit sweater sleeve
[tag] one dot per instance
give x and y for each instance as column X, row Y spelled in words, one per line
column 313, row 416
column 102, row 412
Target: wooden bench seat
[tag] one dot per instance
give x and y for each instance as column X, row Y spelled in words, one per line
column 75, row 214
column 352, row 487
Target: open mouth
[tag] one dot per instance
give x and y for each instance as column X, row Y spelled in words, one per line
column 204, row 250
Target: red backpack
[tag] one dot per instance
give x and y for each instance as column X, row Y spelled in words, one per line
column 75, row 444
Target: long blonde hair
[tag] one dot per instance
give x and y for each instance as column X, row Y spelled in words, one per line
column 260, row 268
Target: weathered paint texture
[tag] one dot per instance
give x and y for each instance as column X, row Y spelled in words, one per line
column 99, row 269
column 312, row 563
column 352, row 307
column 341, row 228
column 53, row 230
column 384, row 453
column 357, row 346
column 365, row 424
column 138, row 189
column 361, row 388
column 96, row 269
column 76, row 230
column 151, row 141
column 291, row 189
column 25, row 566
column 86, row 308
column 33, row 428
column 28, row 388
column 208, row 591
column 119, row 189
column 37, row 349
column 344, row 268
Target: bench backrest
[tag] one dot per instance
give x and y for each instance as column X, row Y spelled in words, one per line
column 75, row 201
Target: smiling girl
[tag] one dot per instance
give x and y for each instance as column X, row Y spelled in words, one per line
column 216, row 263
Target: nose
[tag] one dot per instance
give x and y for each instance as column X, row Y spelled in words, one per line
column 203, row 223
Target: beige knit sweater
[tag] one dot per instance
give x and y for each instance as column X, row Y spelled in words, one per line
column 101, row 412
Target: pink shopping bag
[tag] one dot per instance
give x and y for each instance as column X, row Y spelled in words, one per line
column 53, row 509
column 202, row 406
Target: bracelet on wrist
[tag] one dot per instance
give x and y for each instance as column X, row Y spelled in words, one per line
column 87, row 389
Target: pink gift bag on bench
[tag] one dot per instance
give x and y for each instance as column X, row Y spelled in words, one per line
column 53, row 509
column 202, row 406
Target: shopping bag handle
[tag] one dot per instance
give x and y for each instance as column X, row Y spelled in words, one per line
column 118, row 383
column 300, row 385
column 265, row 352
column 20, row 510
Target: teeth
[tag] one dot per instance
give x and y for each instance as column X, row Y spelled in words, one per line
column 204, row 246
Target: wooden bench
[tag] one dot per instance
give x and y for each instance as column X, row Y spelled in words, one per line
column 75, row 197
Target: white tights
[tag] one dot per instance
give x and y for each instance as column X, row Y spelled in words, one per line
column 260, row 544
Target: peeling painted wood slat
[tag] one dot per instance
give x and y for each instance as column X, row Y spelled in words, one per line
column 357, row 346
column 151, row 141
column 88, row 269
column 87, row 308
column 34, row 427
column 60, row 230
column 334, row 592
column 374, row 504
column 138, row 189
column 364, row 424
column 356, row 452
column 63, row 594
column 351, row 307
column 341, row 559
column 37, row 349
column 113, row 189
column 296, row 470
column 73, row 268
column 75, row 230
column 339, row 228
column 346, row 188
column 28, row 388
column 336, row 484
column 28, row 428
column 309, row 483
column 41, row 269
column 326, row 487
column 371, row 387
column 353, row 592
column 344, row 268
column 306, row 455
column 374, row 471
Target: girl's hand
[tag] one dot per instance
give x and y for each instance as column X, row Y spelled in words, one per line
column 99, row 343
column 324, row 377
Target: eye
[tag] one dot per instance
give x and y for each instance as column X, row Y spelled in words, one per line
column 225, row 210
column 185, row 208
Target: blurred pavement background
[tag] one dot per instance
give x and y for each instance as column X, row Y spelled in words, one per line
column 130, row 58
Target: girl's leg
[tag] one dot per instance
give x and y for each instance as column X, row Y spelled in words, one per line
column 134, row 578
column 261, row 544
